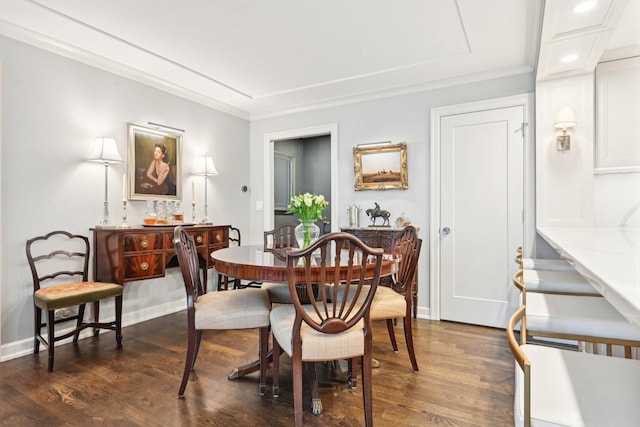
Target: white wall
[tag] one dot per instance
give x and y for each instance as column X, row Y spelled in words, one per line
column 568, row 193
column 397, row 119
column 564, row 179
column 52, row 110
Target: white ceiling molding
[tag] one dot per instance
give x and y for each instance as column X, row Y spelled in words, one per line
column 254, row 59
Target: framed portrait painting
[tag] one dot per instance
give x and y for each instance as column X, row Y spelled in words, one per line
column 155, row 157
column 381, row 167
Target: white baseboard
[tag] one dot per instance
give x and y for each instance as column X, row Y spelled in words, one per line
column 23, row 347
column 423, row 313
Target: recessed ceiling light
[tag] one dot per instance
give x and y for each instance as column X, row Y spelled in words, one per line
column 585, row 6
column 569, row 58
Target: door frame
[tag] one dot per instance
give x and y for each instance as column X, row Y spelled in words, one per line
column 524, row 100
column 330, row 129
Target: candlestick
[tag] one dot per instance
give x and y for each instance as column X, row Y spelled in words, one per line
column 193, row 192
column 124, row 216
column 124, row 188
column 193, row 212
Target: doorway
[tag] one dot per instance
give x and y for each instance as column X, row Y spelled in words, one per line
column 327, row 133
column 301, row 165
column 478, row 209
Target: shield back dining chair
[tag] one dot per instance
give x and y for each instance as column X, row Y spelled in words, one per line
column 222, row 310
column 278, row 241
column 396, row 301
column 330, row 326
column 59, row 263
column 235, row 238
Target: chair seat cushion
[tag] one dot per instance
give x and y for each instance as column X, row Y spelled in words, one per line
column 71, row 294
column 570, row 388
column 546, row 264
column 316, row 345
column 278, row 292
column 577, row 315
column 387, row 304
column 236, row 309
column 557, row 281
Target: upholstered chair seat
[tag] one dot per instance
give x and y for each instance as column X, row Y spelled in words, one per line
column 577, row 315
column 558, row 282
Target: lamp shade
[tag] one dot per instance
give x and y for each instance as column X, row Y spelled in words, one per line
column 205, row 167
column 565, row 119
column 105, row 150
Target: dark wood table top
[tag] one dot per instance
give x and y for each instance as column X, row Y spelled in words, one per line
column 255, row 264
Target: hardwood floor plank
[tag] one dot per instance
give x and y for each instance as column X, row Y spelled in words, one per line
column 465, row 379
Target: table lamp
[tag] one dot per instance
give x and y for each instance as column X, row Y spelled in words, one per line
column 205, row 167
column 105, row 151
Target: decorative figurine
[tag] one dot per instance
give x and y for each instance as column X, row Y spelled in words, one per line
column 402, row 221
column 378, row 213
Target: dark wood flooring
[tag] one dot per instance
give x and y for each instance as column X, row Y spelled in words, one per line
column 465, row 379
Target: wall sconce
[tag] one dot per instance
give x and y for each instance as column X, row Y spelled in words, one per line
column 565, row 119
column 205, row 167
column 105, row 151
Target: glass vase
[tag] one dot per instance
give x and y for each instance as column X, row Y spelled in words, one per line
column 306, row 232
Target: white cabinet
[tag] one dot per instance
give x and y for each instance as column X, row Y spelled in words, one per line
column 618, row 116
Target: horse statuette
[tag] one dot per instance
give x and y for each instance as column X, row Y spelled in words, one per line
column 378, row 213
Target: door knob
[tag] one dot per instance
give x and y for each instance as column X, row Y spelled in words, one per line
column 445, row 230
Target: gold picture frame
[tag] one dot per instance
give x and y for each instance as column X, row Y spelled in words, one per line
column 143, row 177
column 381, row 167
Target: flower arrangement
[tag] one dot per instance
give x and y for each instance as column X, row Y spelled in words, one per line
column 307, row 206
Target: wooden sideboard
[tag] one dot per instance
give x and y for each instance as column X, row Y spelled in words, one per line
column 124, row 255
column 382, row 237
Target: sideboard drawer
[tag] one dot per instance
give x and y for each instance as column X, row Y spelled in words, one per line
column 143, row 242
column 199, row 237
column 218, row 238
column 143, row 266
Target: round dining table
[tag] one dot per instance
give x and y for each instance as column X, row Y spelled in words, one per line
column 255, row 264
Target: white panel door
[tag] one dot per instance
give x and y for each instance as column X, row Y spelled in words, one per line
column 481, row 214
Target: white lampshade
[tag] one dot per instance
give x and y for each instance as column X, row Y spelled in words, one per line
column 105, row 150
column 205, row 167
column 565, row 119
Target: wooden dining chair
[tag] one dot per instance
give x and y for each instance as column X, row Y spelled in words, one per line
column 562, row 387
column 235, row 238
column 59, row 263
column 278, row 241
column 281, row 237
column 222, row 310
column 396, row 301
column 330, row 326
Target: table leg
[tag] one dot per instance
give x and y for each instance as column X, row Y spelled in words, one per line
column 249, row 368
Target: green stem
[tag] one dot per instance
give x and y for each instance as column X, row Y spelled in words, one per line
column 306, row 225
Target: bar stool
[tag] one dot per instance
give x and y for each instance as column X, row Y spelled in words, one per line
column 579, row 318
column 567, row 388
column 553, row 276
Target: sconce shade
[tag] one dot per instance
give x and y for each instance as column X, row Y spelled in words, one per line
column 205, row 167
column 565, row 119
column 105, row 150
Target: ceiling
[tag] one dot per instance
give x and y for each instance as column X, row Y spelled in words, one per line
column 255, row 59
column 609, row 30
